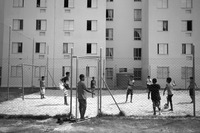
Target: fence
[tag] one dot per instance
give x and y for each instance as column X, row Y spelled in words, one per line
column 109, row 98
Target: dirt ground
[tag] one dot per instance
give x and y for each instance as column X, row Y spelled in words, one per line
column 110, row 124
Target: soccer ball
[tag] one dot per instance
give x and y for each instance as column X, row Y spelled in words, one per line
column 166, row 106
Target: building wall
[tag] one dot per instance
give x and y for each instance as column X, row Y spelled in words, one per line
column 123, row 41
column 175, row 36
column 53, row 59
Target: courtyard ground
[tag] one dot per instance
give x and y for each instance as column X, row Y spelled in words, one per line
column 53, row 104
column 19, row 115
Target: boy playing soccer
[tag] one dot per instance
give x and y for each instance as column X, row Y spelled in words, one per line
column 155, row 96
column 169, row 88
column 42, row 87
column 93, row 85
column 65, row 81
column 130, row 88
column 191, row 88
column 82, row 97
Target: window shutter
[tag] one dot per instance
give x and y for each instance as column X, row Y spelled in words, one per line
column 43, row 25
column 94, row 48
column 94, row 25
column 42, row 48
column 16, row 24
column 71, row 3
column 94, row 3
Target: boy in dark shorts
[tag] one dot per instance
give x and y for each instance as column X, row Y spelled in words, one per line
column 93, row 85
column 191, row 88
column 155, row 96
column 82, row 97
column 130, row 88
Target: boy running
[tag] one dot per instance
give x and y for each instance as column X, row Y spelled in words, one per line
column 155, row 96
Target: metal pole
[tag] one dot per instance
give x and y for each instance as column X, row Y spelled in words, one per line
column 193, row 73
column 22, row 81
column 76, row 87
column 32, row 65
column 71, row 81
column 8, row 79
column 100, row 78
column 47, row 65
column 98, row 87
column 185, row 77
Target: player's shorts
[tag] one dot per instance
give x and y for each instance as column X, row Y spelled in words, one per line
column 42, row 90
column 130, row 91
column 156, row 103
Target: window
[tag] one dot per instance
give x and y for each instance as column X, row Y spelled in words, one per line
column 41, row 3
column 109, row 73
column 162, row 48
column 40, row 47
column 41, row 25
column 162, row 72
column 137, row 53
column 67, row 48
column 90, row 71
column 162, row 3
column 186, row 48
column 17, row 24
column 109, row 14
column 109, row 0
column 137, row 14
column 68, row 3
column 39, row 71
column 186, row 72
column 122, row 70
column 138, row 73
column 65, row 69
column 17, row 47
column 137, row 34
column 18, row 3
column 186, row 3
column 68, row 25
column 91, row 3
column 109, row 34
column 162, row 25
column 137, row 0
column 109, row 53
column 16, row 71
column 91, row 48
column 186, row 25
column 91, row 25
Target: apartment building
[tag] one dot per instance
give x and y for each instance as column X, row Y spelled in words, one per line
column 152, row 37
column 138, row 37
column 43, row 33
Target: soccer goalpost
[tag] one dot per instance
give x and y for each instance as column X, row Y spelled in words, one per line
column 39, row 69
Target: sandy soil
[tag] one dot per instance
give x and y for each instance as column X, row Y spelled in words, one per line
column 53, row 104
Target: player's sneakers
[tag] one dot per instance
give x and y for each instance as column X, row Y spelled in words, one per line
column 171, row 110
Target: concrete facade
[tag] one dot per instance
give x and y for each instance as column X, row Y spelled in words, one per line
column 53, row 36
column 169, row 29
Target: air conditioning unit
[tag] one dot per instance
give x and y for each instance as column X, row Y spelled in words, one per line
column 189, row 57
column 41, row 56
column 66, row 56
